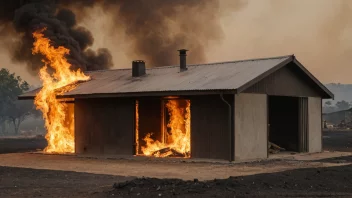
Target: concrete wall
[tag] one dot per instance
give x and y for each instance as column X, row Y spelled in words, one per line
column 250, row 126
column 314, row 125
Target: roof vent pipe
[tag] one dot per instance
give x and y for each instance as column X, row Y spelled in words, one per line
column 183, row 64
column 138, row 68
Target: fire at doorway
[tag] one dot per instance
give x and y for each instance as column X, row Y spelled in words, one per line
column 62, row 139
column 172, row 138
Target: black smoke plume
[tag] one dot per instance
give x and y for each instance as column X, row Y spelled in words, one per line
column 156, row 28
column 27, row 16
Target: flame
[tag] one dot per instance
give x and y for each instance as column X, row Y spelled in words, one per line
column 179, row 138
column 60, row 132
column 137, row 128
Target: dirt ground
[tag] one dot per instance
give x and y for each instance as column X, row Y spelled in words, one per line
column 337, row 141
column 313, row 175
column 21, row 144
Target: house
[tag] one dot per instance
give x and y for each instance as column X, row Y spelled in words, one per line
column 339, row 116
column 229, row 110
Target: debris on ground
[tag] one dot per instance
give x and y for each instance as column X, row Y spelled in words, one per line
column 311, row 182
column 168, row 152
column 274, row 148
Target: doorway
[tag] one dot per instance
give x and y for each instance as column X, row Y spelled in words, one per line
column 162, row 127
column 286, row 123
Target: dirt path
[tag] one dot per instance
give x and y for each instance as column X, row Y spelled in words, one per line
column 167, row 168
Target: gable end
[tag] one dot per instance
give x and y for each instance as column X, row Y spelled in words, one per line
column 289, row 80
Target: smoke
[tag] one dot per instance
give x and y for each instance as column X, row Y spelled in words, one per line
column 318, row 32
column 155, row 29
column 24, row 17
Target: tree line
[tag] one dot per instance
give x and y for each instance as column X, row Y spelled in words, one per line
column 328, row 107
column 12, row 110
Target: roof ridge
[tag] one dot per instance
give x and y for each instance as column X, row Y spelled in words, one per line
column 244, row 60
column 199, row 64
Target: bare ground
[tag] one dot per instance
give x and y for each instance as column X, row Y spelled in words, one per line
column 21, row 144
column 315, row 175
column 25, row 182
column 312, row 182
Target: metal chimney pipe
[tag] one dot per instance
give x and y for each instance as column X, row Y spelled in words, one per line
column 183, row 64
column 138, row 68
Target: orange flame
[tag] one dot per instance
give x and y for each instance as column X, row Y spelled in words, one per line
column 179, row 138
column 60, row 132
column 137, row 128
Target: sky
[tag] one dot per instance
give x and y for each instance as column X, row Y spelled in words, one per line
column 318, row 32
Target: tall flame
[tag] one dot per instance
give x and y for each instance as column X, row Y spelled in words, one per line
column 60, row 135
column 179, row 138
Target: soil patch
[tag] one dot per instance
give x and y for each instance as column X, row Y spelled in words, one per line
column 337, row 141
column 26, row 182
column 311, row 182
column 21, row 144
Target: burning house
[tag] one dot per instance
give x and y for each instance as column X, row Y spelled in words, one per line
column 228, row 110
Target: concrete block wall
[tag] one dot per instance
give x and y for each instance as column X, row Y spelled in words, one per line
column 314, row 125
column 250, row 126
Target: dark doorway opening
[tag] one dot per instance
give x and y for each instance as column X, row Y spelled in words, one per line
column 283, row 121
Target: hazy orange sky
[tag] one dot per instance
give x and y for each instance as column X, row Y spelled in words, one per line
column 318, row 32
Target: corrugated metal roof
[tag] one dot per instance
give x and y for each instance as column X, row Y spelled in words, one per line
column 223, row 76
column 214, row 76
column 29, row 94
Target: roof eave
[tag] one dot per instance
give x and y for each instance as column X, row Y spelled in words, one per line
column 133, row 94
column 25, row 97
column 145, row 94
column 30, row 95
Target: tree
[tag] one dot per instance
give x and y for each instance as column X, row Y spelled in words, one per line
column 328, row 103
column 329, row 107
column 18, row 112
column 342, row 105
column 10, row 108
